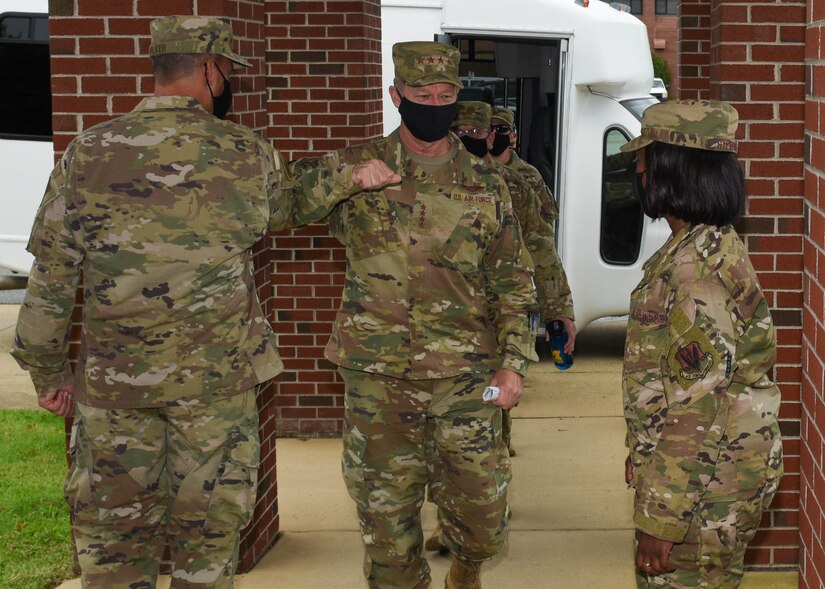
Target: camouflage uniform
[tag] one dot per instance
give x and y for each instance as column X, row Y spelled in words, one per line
column 435, row 300
column 554, row 294
column 699, row 404
column 700, row 407
column 157, row 211
column 536, row 225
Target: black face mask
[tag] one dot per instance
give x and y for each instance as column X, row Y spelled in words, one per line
column 427, row 123
column 500, row 144
column 220, row 104
column 641, row 192
column 477, row 147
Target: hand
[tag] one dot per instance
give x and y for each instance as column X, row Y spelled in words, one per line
column 652, row 554
column 374, row 174
column 570, row 329
column 628, row 471
column 59, row 401
column 511, row 386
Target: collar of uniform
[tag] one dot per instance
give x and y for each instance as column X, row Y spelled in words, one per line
column 670, row 247
column 466, row 172
column 167, row 103
column 398, row 160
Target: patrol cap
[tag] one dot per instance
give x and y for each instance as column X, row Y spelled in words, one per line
column 700, row 124
column 504, row 114
column 193, row 34
column 473, row 112
column 419, row 63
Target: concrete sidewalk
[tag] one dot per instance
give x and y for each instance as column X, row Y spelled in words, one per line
column 17, row 391
column 571, row 525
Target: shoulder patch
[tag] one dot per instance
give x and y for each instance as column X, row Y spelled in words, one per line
column 694, row 362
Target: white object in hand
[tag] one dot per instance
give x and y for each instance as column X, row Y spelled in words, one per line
column 490, row 394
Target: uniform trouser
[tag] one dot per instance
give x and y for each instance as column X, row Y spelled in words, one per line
column 145, row 478
column 712, row 555
column 506, row 426
column 401, row 436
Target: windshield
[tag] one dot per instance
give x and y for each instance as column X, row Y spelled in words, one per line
column 638, row 105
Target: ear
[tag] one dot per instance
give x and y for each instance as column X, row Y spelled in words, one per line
column 213, row 76
column 395, row 96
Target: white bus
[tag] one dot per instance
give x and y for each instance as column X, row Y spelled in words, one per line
column 578, row 74
column 26, row 152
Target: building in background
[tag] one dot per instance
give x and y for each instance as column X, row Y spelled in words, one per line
column 661, row 18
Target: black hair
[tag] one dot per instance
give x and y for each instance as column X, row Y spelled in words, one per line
column 694, row 185
column 170, row 67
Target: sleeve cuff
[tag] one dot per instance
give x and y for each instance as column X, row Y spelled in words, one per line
column 45, row 383
column 671, row 531
column 516, row 363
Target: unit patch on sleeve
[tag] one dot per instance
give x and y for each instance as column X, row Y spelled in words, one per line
column 694, row 362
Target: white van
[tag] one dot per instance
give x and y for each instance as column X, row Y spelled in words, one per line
column 577, row 73
column 26, row 152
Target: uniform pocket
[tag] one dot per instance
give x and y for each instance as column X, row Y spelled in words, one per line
column 370, row 226
column 77, row 488
column 352, row 460
column 469, row 229
column 503, row 472
column 232, row 500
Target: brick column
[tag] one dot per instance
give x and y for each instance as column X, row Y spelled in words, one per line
column 812, row 508
column 694, row 49
column 751, row 55
column 756, row 55
column 100, row 70
column 324, row 84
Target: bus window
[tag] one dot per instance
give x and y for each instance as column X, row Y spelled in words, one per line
column 622, row 216
column 24, row 63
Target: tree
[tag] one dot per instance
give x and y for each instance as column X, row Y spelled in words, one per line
column 661, row 69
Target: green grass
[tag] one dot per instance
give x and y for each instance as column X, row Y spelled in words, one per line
column 35, row 534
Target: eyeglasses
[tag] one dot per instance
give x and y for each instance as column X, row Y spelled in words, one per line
column 473, row 132
column 503, row 129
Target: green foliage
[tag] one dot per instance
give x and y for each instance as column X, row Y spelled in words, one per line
column 35, row 533
column 661, row 69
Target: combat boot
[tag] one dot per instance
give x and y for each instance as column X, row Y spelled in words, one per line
column 463, row 574
column 434, row 544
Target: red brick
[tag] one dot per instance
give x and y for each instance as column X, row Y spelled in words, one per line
column 107, row 46
column 79, row 104
column 775, row 169
column 792, row 72
column 130, row 65
column 78, row 65
column 108, row 84
column 133, row 26
column 64, row 84
column 792, row 34
column 777, row 14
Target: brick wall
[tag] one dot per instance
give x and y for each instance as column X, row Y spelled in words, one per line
column 99, row 71
column 812, row 549
column 324, row 85
column 755, row 60
column 694, row 48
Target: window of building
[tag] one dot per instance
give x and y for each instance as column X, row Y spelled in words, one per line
column 667, row 7
column 635, row 6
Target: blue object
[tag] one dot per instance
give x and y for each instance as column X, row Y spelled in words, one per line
column 558, row 338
